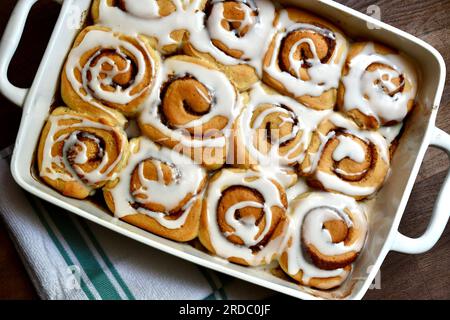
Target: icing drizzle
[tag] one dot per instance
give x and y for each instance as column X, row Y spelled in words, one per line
column 70, row 134
column 346, row 148
column 366, row 90
column 322, row 76
column 309, row 213
column 244, row 228
column 187, row 178
column 226, row 103
column 95, row 77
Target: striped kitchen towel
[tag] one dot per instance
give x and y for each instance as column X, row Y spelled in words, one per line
column 68, row 257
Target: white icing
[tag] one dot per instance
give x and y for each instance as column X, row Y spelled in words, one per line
column 363, row 92
column 323, row 76
column 307, row 121
column 226, row 103
column 299, row 188
column 101, row 173
column 146, row 9
column 271, row 161
column 332, row 182
column 91, row 89
column 308, row 215
column 243, row 228
column 349, row 148
column 186, row 179
column 253, row 44
column 343, row 172
column 371, row 136
column 186, row 17
column 391, row 132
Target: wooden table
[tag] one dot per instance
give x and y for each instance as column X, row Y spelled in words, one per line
column 425, row 276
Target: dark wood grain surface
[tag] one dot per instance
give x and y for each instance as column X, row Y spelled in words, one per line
column 425, row 276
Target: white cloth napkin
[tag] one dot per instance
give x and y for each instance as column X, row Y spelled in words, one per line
column 70, row 258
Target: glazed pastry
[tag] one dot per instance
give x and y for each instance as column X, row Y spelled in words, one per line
column 236, row 36
column 158, row 190
column 273, row 131
column 164, row 22
column 378, row 86
column 254, row 130
column 342, row 158
column 326, row 234
column 79, row 153
column 108, row 73
column 243, row 217
column 305, row 59
column 192, row 110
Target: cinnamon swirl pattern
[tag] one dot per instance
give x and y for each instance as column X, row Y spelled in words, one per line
column 305, row 59
column 79, row 153
column 164, row 22
column 342, row 158
column 243, row 217
column 378, row 86
column 326, row 233
column 273, row 132
column 253, row 127
column 192, row 110
column 236, row 36
column 158, row 190
column 108, row 73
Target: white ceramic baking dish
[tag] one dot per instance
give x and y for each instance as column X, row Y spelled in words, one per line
column 388, row 208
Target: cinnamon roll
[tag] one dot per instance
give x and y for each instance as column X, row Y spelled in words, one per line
column 192, row 110
column 79, row 153
column 378, row 86
column 342, row 158
column 163, row 22
column 273, row 131
column 108, row 74
column 305, row 58
column 243, row 217
column 158, row 190
column 236, row 36
column 326, row 234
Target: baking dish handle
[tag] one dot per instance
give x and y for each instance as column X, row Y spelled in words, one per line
column 8, row 46
column 441, row 210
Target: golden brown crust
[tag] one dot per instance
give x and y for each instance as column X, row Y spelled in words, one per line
column 112, row 142
column 187, row 230
column 318, row 283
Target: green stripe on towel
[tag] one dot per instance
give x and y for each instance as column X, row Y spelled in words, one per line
column 81, row 250
column 106, row 259
column 56, row 241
